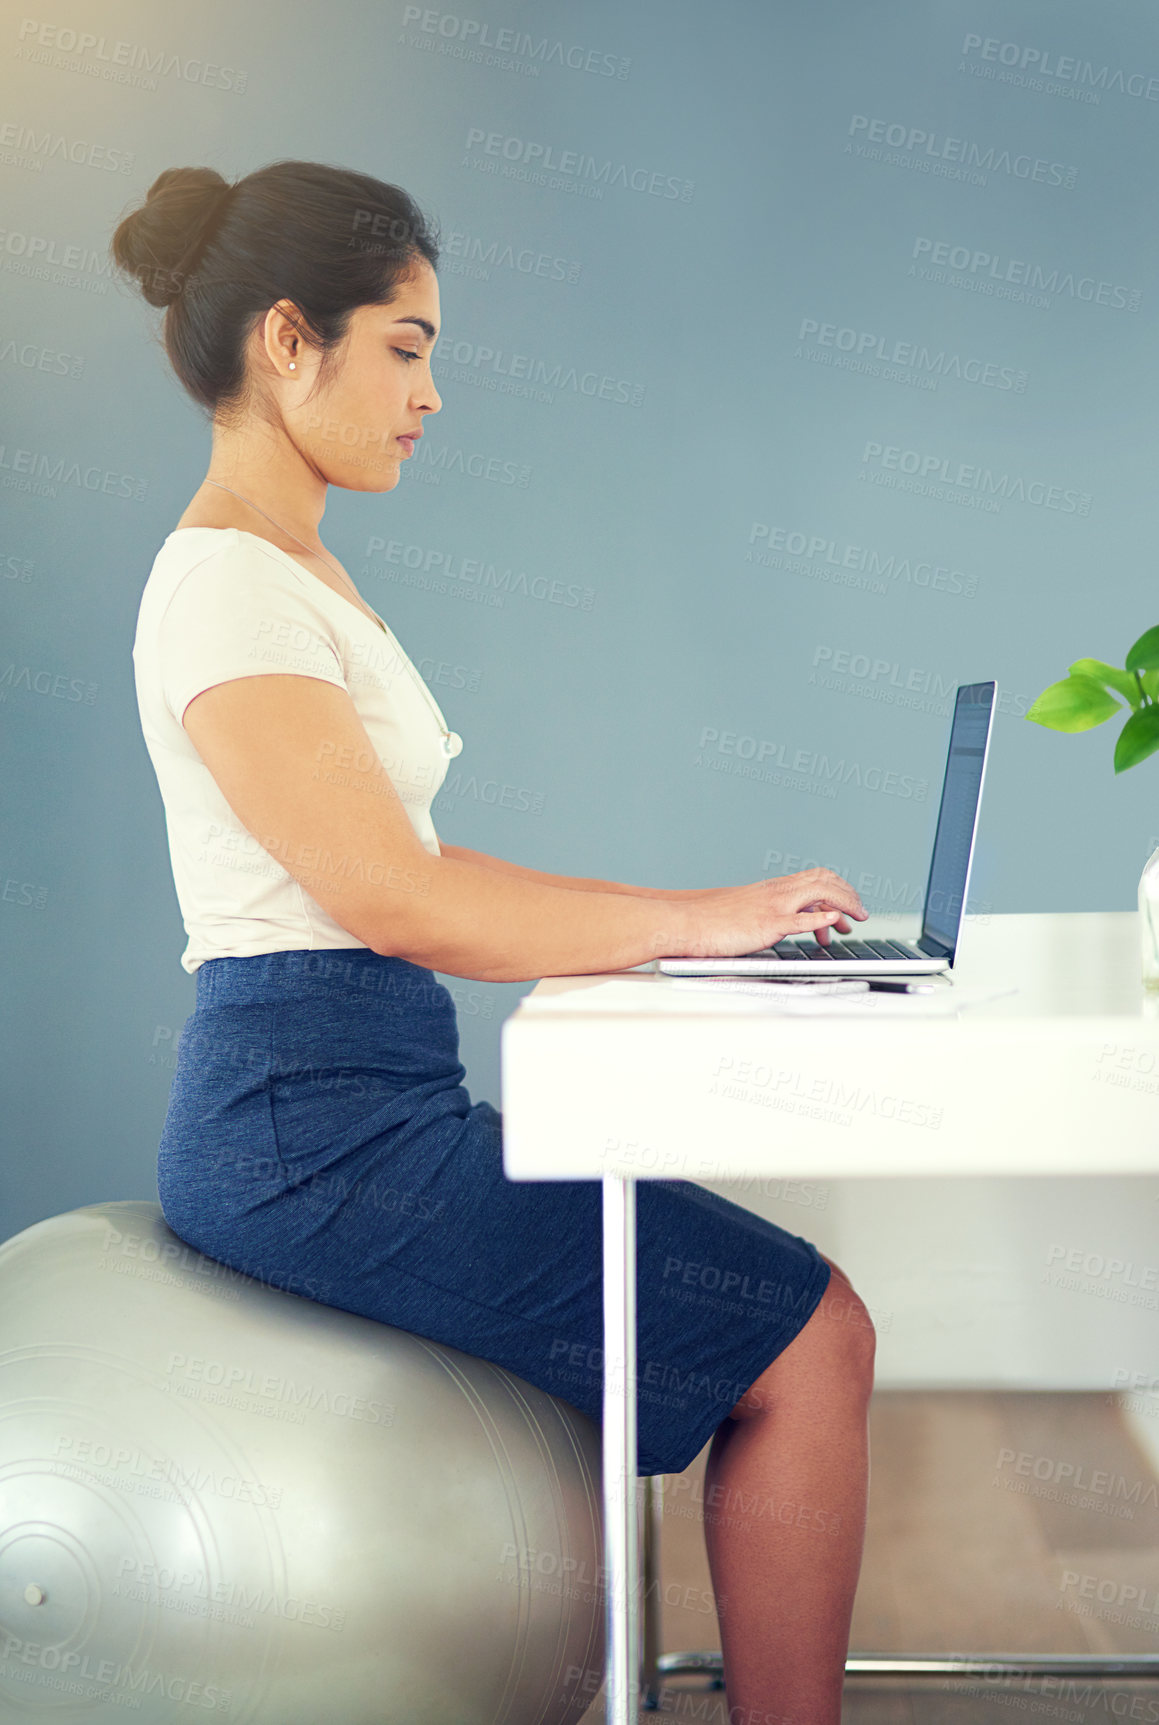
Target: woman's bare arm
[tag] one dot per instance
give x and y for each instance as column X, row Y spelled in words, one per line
column 293, row 760
column 575, row 883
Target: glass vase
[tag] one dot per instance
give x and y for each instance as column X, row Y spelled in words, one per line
column 1149, row 920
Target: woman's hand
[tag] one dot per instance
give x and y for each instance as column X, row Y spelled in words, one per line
column 724, row 922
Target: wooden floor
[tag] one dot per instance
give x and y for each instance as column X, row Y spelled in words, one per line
column 977, row 1543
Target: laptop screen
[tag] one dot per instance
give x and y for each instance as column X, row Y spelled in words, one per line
column 957, row 816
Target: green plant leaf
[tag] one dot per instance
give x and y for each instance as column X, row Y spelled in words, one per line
column 1138, row 738
column 1151, row 684
column 1144, row 655
column 1110, row 676
column 1075, row 704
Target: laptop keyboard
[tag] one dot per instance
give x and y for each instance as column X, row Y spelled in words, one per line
column 890, row 949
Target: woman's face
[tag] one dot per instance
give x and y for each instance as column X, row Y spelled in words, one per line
column 358, row 431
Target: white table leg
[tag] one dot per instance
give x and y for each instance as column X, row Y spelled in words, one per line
column 621, row 1542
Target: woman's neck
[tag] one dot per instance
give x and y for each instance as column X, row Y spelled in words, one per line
column 259, row 485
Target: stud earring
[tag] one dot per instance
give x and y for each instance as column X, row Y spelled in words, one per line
column 293, row 367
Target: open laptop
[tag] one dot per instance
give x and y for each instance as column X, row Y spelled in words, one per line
column 946, row 889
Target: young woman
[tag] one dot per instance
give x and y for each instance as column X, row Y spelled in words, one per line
column 319, row 1136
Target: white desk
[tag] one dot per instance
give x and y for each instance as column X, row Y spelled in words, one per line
column 628, row 1076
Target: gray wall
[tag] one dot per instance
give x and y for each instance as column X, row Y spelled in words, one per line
column 760, row 263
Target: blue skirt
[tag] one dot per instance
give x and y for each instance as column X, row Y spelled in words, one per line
column 319, row 1137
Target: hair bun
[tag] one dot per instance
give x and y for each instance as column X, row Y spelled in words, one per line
column 161, row 242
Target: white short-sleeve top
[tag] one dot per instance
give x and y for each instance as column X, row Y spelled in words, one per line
column 219, row 604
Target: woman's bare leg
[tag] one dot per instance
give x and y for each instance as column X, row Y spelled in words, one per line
column 785, row 1493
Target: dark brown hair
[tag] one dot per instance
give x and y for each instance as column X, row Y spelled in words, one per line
column 217, row 256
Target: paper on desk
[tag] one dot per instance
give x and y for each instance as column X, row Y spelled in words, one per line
column 776, row 988
column 631, row 993
column 838, row 997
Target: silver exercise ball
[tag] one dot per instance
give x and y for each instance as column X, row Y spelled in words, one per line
column 217, row 1498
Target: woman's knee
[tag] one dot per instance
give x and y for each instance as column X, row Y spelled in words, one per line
column 832, row 1355
column 844, row 1323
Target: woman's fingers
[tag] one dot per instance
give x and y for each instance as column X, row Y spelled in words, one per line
column 839, row 927
column 837, row 891
column 806, row 922
column 821, row 904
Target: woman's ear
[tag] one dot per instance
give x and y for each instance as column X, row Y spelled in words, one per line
column 282, row 336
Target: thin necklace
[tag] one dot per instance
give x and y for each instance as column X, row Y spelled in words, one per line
column 284, row 530
column 446, row 735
